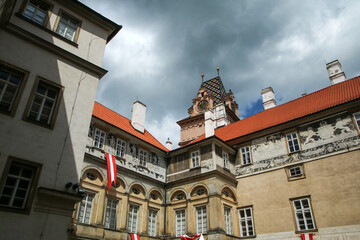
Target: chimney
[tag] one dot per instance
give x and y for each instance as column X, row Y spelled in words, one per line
column 220, row 115
column 268, row 97
column 209, row 124
column 336, row 74
column 168, row 144
column 138, row 116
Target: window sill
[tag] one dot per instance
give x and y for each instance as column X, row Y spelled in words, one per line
column 15, row 210
column 18, row 14
column 306, row 231
column 120, row 158
column 194, row 168
column 291, row 153
column 51, row 126
column 246, row 165
column 290, row 179
column 248, row 237
column 143, row 167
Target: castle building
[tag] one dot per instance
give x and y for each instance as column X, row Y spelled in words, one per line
column 288, row 172
column 51, row 54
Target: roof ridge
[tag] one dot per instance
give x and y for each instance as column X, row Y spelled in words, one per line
column 112, row 110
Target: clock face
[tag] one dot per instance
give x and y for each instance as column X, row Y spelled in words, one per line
column 203, row 105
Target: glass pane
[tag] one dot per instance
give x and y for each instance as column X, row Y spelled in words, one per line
column 4, row 75
column 10, row 182
column 15, row 170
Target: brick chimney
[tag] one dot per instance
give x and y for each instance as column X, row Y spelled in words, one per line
column 268, row 98
column 138, row 116
column 168, row 144
column 336, row 74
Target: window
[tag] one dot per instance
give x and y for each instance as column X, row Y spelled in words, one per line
column 200, row 191
column 142, row 158
column 110, row 214
column 180, row 196
column 357, row 119
column 245, row 155
column 43, row 103
column 195, row 159
column 85, row 208
column 293, row 142
column 120, row 148
column 295, row 171
column 303, row 215
column 133, row 214
column 36, row 11
column 246, row 222
column 18, row 183
column 226, row 160
column 152, row 223
column 180, row 222
column 67, row 26
column 10, row 82
column 201, row 219
column 99, row 139
column 227, row 220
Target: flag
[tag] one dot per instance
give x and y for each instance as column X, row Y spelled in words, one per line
column 196, row 237
column 135, row 236
column 111, row 169
column 307, row 236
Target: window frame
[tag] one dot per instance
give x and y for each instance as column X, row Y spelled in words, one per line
column 108, row 223
column 195, row 157
column 227, row 220
column 152, row 221
column 296, row 220
column 295, row 177
column 120, row 148
column 32, row 188
column 248, row 161
column 71, row 17
column 292, row 140
column 130, row 220
column 203, row 224
column 143, row 158
column 104, row 140
column 225, row 157
column 86, row 196
column 356, row 121
column 54, row 111
column 47, row 16
column 180, row 229
column 25, row 74
column 246, row 219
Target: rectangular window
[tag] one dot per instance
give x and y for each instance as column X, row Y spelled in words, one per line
column 152, row 223
column 67, row 26
column 195, row 159
column 180, row 223
column 132, row 221
column 10, row 82
column 143, row 158
column 17, row 185
column 110, row 214
column 226, row 160
column 43, row 103
column 99, row 139
column 120, row 148
column 227, row 220
column 357, row 119
column 36, row 11
column 246, row 222
column 85, row 208
column 293, row 142
column 303, row 214
column 245, row 155
column 201, row 219
column 295, row 171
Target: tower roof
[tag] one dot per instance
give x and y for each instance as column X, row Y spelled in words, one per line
column 216, row 88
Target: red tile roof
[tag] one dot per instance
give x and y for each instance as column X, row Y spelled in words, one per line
column 323, row 99
column 115, row 119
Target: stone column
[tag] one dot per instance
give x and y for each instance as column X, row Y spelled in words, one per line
column 215, row 217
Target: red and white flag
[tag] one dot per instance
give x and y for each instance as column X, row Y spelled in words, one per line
column 307, row 236
column 135, row 236
column 110, row 159
column 196, row 237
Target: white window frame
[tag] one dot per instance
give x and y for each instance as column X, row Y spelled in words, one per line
column 133, row 218
column 247, row 221
column 8, row 84
column 152, row 222
column 225, row 156
column 85, row 208
column 195, row 159
column 201, row 220
column 302, row 210
column 99, row 138
column 292, row 139
column 37, row 9
column 297, row 171
column 357, row 119
column 227, row 220
column 143, row 157
column 245, row 155
column 70, row 25
column 120, row 148
column 110, row 213
column 180, row 222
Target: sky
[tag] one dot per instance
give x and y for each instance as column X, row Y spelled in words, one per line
column 165, row 45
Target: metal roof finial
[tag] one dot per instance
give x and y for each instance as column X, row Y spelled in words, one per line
column 202, row 77
column 218, row 70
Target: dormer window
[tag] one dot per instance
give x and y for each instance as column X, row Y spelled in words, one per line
column 67, row 27
column 36, row 11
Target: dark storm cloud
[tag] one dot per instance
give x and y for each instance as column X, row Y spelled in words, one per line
column 164, row 47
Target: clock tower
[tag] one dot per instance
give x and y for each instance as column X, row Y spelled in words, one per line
column 211, row 95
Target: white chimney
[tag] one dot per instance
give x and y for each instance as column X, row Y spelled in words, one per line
column 138, row 116
column 268, row 98
column 209, row 124
column 220, row 115
column 336, row 74
column 168, row 144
